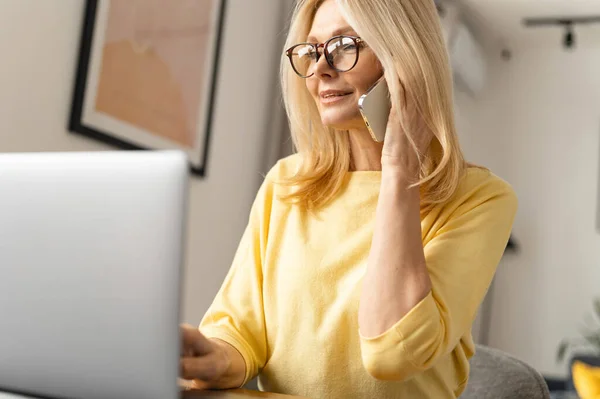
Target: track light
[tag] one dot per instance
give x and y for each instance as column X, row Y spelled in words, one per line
column 570, row 37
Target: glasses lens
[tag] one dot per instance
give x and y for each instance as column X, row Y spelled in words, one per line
column 342, row 53
column 303, row 59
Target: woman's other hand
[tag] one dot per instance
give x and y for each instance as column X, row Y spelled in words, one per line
column 208, row 363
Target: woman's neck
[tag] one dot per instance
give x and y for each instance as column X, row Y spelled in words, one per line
column 365, row 153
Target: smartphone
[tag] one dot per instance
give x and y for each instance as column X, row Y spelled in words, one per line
column 375, row 107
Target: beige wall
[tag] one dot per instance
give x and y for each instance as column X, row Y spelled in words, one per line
column 553, row 138
column 38, row 47
column 538, row 126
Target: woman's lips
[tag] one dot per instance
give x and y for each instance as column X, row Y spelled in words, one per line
column 335, row 98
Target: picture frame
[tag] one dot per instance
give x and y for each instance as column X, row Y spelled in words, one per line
column 598, row 197
column 147, row 75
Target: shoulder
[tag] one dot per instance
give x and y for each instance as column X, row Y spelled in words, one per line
column 274, row 182
column 482, row 180
column 280, row 174
column 478, row 186
column 284, row 169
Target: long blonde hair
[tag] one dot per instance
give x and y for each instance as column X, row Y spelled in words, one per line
column 406, row 37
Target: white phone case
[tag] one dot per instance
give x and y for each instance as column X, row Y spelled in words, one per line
column 375, row 108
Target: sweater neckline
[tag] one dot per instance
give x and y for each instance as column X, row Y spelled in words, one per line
column 363, row 176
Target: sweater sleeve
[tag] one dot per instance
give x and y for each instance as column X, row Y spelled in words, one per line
column 236, row 315
column 461, row 259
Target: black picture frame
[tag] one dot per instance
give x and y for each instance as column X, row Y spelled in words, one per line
column 77, row 124
column 598, row 198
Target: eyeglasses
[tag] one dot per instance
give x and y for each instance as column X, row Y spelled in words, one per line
column 341, row 53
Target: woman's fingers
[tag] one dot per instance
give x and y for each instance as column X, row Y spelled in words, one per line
column 193, row 384
column 193, row 342
column 405, row 126
column 203, row 368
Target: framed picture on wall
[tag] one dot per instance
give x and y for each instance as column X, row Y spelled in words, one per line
column 147, row 73
column 598, row 198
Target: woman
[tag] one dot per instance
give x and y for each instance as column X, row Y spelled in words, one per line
column 363, row 264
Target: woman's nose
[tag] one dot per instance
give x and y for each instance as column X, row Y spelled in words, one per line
column 322, row 67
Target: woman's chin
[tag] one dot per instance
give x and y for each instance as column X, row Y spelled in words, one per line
column 332, row 124
column 339, row 123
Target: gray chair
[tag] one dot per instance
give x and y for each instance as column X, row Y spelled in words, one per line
column 497, row 375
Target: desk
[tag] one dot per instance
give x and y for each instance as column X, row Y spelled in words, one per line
column 233, row 394
column 197, row 394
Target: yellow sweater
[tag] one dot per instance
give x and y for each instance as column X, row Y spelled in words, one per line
column 290, row 301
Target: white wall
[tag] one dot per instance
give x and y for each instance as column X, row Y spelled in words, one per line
column 538, row 126
column 554, row 112
column 481, row 127
column 38, row 45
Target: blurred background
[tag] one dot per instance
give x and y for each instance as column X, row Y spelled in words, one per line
column 527, row 104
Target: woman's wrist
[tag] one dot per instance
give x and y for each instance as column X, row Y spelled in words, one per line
column 401, row 167
column 230, row 366
column 402, row 177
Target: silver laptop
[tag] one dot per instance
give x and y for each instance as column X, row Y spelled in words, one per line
column 90, row 265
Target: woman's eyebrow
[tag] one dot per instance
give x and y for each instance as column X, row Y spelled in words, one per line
column 339, row 31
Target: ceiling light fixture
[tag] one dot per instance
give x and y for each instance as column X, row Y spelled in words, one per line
column 570, row 37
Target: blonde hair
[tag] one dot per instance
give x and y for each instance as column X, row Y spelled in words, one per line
column 406, row 37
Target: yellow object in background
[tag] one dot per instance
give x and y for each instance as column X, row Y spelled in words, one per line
column 586, row 379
